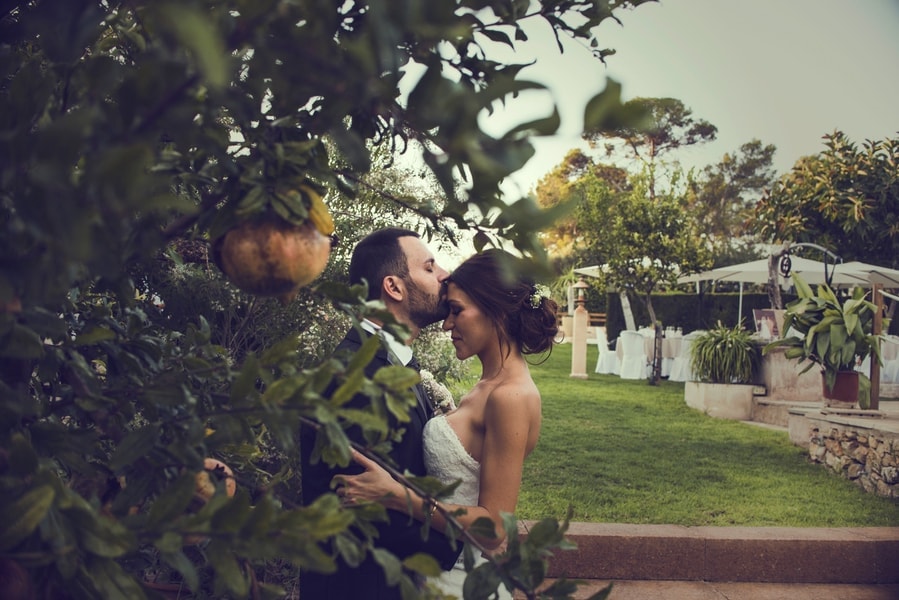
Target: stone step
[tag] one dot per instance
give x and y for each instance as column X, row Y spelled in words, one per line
column 714, row 590
column 613, row 551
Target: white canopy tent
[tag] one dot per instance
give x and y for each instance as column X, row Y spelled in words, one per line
column 756, row 271
column 593, row 271
column 811, row 271
column 866, row 274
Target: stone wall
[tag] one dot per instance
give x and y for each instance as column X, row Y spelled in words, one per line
column 866, row 456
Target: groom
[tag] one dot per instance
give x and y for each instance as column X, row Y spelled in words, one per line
column 401, row 271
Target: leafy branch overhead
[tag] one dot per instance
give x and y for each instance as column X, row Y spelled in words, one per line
column 137, row 136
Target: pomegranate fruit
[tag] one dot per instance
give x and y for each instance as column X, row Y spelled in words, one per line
column 206, row 486
column 271, row 257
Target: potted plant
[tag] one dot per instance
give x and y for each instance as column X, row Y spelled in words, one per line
column 834, row 334
column 724, row 362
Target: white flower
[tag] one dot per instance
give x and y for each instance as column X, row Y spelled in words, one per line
column 540, row 292
column 439, row 396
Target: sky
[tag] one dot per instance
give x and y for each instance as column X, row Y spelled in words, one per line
column 785, row 72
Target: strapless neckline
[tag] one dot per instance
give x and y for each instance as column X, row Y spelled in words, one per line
column 448, row 461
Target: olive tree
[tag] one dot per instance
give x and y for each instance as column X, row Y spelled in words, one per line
column 142, row 131
column 643, row 243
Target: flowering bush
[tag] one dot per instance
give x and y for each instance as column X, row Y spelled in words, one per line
column 436, row 354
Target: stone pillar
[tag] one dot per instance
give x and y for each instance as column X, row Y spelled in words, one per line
column 579, row 333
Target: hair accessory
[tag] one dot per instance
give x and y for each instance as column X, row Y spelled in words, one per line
column 540, row 292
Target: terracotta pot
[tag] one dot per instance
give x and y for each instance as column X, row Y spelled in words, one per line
column 845, row 389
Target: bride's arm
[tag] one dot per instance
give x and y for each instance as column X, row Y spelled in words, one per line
column 375, row 484
column 502, row 460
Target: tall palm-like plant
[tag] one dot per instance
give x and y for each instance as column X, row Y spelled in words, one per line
column 836, row 335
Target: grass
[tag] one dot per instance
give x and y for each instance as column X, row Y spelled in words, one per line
column 621, row 451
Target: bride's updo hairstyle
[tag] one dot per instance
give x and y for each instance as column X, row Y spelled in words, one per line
column 523, row 312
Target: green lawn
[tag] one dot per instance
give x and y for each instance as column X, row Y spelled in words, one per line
column 622, row 451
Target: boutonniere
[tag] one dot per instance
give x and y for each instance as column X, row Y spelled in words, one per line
column 438, row 395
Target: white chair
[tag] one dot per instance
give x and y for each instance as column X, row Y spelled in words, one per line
column 671, row 341
column 633, row 356
column 680, row 366
column 889, row 372
column 607, row 361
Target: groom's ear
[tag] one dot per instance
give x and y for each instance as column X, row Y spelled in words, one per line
column 393, row 287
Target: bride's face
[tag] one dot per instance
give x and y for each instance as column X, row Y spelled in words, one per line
column 471, row 330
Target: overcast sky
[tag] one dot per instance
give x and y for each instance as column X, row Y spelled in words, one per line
column 783, row 71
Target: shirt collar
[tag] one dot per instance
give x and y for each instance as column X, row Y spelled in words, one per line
column 399, row 353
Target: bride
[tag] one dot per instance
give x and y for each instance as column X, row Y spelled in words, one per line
column 484, row 442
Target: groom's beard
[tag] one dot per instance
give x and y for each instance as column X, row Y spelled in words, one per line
column 426, row 309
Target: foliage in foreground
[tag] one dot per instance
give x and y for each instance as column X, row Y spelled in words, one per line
column 129, row 127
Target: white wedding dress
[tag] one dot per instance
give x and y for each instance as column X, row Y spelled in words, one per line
column 447, row 460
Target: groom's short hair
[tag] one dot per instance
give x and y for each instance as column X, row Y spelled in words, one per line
column 378, row 255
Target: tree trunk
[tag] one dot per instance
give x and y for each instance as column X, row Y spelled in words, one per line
column 627, row 312
column 773, row 287
column 656, row 371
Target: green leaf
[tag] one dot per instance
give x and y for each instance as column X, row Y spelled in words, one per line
column 606, row 112
column 112, row 581
column 838, row 334
column 803, row 290
column 136, row 445
column 93, row 336
column 103, row 536
column 399, row 405
column 545, row 533
column 393, row 568
column 244, row 385
column 348, row 388
column 546, row 126
column 228, row 570
column 481, row 583
column 285, row 349
column 197, row 32
column 21, row 342
column 23, row 460
column 397, row 378
column 173, row 501
column 423, row 564
column 169, row 542
column 365, row 354
column 483, row 527
column 22, row 516
column 282, row 390
column 181, row 563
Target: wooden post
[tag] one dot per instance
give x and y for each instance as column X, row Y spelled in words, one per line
column 876, row 328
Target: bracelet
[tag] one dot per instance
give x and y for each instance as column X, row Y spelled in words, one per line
column 432, row 508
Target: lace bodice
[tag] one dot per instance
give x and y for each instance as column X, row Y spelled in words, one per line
column 447, row 460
